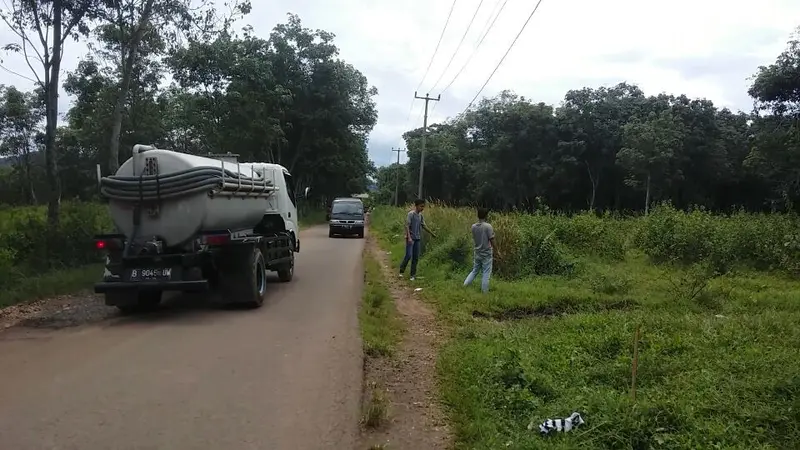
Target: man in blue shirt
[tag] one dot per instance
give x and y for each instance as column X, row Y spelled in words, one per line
column 415, row 223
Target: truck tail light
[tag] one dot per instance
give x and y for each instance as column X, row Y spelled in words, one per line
column 107, row 243
column 216, row 239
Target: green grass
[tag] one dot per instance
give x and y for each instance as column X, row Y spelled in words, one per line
column 310, row 217
column 719, row 365
column 380, row 327
column 36, row 261
column 58, row 282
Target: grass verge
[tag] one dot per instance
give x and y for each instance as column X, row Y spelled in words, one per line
column 58, row 282
column 310, row 217
column 718, row 363
column 380, row 327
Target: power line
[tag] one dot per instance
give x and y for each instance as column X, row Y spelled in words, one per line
column 487, row 27
column 433, row 56
column 475, row 50
column 458, row 46
column 504, row 56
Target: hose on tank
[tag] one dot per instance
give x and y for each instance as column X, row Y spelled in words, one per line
column 179, row 184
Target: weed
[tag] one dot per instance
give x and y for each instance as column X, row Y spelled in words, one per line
column 376, row 409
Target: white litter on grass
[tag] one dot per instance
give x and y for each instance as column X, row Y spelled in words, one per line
column 559, row 425
column 417, row 289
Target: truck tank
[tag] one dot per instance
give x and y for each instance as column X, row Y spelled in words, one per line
column 177, row 195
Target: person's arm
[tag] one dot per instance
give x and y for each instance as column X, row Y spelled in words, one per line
column 408, row 227
column 425, row 226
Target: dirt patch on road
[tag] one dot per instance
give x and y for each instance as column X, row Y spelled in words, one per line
column 406, row 382
column 57, row 312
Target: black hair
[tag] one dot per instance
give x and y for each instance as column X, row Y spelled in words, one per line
column 419, row 202
column 483, row 213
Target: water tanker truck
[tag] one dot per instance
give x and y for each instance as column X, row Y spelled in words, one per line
column 192, row 223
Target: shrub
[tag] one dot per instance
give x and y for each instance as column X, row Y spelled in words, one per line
column 544, row 243
column 29, row 247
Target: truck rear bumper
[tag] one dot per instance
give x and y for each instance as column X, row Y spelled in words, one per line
column 108, row 286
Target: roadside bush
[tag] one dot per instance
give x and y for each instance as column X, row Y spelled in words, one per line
column 759, row 241
column 546, row 243
column 29, row 247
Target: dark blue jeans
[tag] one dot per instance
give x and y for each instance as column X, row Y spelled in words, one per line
column 412, row 254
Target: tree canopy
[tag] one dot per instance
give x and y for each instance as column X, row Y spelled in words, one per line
column 614, row 148
column 177, row 77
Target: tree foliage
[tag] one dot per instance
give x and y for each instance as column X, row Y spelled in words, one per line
column 175, row 75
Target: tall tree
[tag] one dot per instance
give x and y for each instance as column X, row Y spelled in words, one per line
column 136, row 32
column 775, row 152
column 42, row 28
column 20, row 116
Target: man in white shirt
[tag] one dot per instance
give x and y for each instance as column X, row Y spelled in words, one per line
column 483, row 236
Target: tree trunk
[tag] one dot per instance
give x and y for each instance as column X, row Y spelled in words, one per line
column 647, row 196
column 595, row 180
column 51, row 122
column 124, row 86
column 29, row 176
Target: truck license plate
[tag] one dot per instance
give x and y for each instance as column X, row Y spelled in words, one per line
column 157, row 274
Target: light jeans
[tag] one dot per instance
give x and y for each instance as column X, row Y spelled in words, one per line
column 482, row 264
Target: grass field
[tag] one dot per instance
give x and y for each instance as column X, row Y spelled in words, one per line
column 716, row 299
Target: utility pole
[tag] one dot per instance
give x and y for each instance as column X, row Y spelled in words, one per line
column 397, row 175
column 427, row 99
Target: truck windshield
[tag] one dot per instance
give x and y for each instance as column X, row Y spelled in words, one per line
column 351, row 208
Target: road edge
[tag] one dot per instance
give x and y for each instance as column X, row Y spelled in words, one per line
column 406, row 381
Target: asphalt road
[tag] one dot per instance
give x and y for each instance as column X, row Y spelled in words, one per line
column 286, row 376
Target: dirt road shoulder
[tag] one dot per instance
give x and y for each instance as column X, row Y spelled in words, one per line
column 401, row 404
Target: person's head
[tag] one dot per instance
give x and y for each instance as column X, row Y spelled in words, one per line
column 419, row 204
column 483, row 213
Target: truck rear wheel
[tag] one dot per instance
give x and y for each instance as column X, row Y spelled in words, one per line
column 245, row 280
column 129, row 302
column 287, row 273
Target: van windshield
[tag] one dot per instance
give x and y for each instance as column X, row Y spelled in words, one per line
column 351, row 208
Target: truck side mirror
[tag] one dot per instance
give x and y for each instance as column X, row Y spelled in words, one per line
column 327, row 217
column 306, row 191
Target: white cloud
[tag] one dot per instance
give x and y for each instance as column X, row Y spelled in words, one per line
column 703, row 48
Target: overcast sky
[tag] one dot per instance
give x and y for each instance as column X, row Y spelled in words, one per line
column 701, row 48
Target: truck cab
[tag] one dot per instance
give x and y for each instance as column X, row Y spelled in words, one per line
column 285, row 199
column 346, row 217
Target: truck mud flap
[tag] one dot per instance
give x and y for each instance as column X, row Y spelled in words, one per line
column 198, row 285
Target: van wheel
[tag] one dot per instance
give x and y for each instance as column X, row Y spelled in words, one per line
column 361, row 235
column 330, row 233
